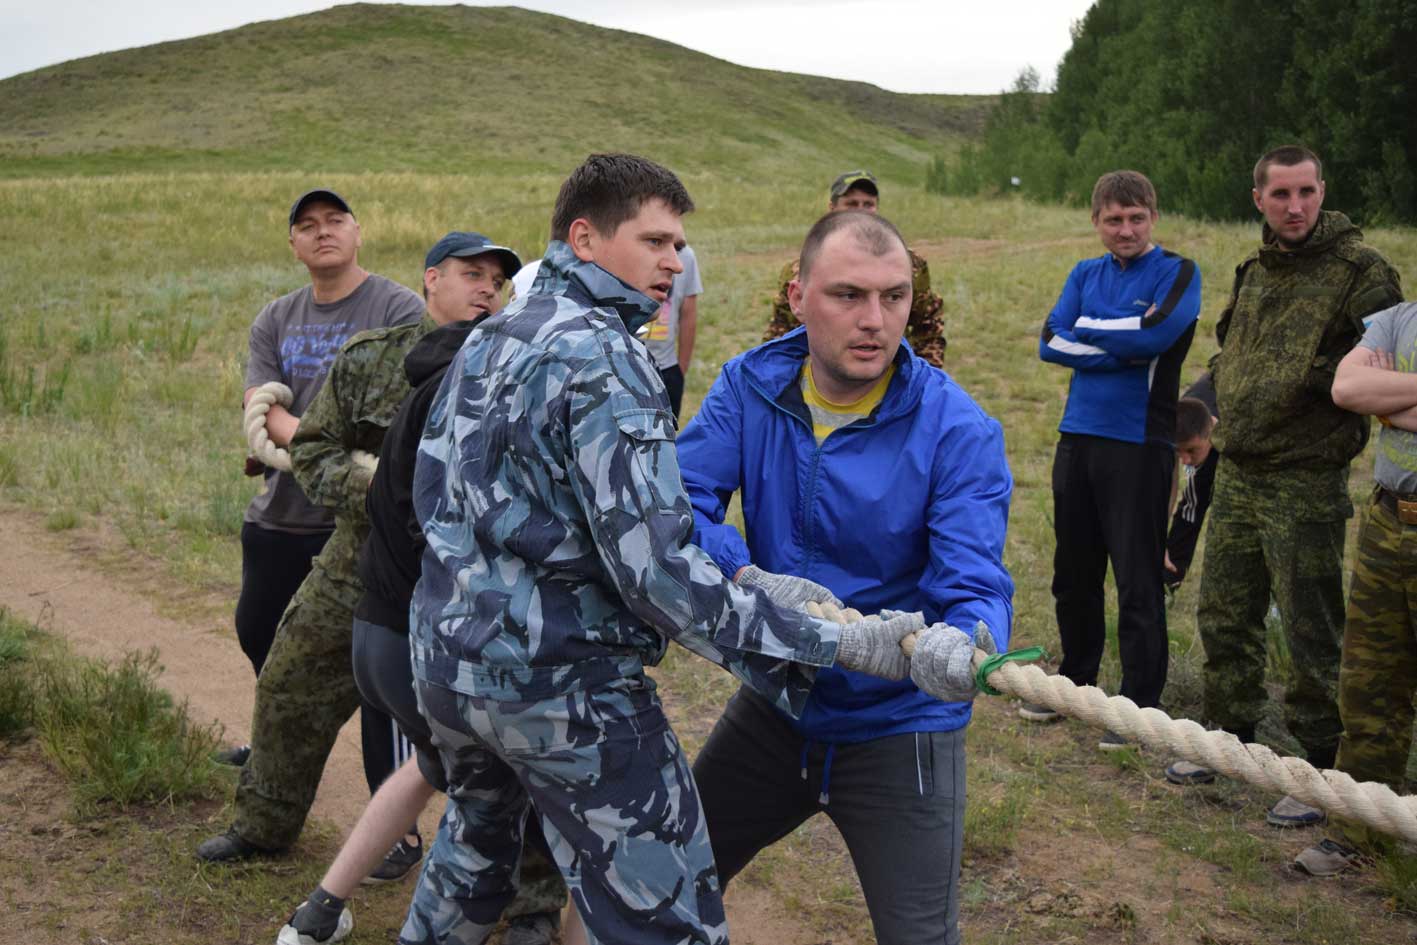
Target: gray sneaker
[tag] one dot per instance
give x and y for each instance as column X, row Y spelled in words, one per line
column 1327, row 858
column 301, row 930
column 1291, row 813
column 1185, row 773
column 1112, row 741
column 1036, row 712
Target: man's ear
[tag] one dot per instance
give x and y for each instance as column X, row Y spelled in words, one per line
column 794, row 297
column 358, row 235
column 1255, row 196
column 582, row 239
column 430, row 279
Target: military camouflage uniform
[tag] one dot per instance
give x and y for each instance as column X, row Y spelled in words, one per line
column 925, row 330
column 558, row 566
column 306, row 690
column 1378, row 678
column 1281, row 491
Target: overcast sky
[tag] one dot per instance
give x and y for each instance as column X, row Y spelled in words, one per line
column 902, row 45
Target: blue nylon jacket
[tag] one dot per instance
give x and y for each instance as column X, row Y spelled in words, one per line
column 905, row 510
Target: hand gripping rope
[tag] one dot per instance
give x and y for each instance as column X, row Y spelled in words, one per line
column 1368, row 802
column 274, row 392
column 254, row 423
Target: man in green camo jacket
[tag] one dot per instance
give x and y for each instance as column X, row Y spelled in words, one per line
column 306, row 690
column 1281, row 492
column 1379, row 673
column 857, row 190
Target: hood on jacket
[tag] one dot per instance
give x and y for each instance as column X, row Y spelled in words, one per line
column 1332, row 227
column 775, row 368
column 435, row 350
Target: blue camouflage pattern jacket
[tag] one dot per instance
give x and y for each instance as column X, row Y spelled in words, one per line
column 558, row 528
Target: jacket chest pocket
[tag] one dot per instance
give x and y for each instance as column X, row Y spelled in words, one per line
column 643, row 470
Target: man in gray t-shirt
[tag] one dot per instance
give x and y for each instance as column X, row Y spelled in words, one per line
column 1378, row 676
column 670, row 337
column 293, row 341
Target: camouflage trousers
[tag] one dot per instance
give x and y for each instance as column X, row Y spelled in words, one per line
column 305, row 693
column 1279, row 535
column 617, row 803
column 1378, row 678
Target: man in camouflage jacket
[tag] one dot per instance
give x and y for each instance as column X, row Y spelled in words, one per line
column 557, row 568
column 1378, row 678
column 1281, row 502
column 306, row 690
column 857, row 190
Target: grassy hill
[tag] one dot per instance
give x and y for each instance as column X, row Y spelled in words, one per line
column 387, row 88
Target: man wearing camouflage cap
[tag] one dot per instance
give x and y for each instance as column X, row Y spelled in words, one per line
column 559, row 566
column 306, row 691
column 858, row 190
column 1278, row 518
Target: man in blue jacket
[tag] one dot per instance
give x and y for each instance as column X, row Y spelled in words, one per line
column 1123, row 323
column 863, row 469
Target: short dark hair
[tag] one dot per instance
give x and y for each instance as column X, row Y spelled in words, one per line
column 875, row 233
column 1125, row 189
column 608, row 189
column 1192, row 420
column 1288, row 155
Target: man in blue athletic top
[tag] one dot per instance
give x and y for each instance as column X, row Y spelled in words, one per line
column 1123, row 323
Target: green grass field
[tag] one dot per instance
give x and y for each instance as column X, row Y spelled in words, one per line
column 142, row 225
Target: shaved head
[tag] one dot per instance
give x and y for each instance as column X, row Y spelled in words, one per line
column 874, row 233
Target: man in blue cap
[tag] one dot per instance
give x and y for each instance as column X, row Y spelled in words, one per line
column 306, row 690
column 293, row 341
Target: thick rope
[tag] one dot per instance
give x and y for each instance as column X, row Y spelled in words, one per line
column 254, row 424
column 1368, row 802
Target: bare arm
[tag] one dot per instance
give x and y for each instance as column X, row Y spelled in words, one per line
column 280, row 423
column 1366, row 383
column 688, row 328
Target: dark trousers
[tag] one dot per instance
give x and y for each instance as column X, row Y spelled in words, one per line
column 898, row 802
column 1109, row 502
column 383, row 671
column 273, row 565
column 674, row 383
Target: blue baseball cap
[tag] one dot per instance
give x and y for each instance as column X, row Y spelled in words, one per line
column 462, row 243
column 320, row 194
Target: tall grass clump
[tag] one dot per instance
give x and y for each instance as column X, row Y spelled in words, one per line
column 16, row 677
column 118, row 737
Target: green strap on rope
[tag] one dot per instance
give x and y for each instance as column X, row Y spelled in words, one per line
column 981, row 676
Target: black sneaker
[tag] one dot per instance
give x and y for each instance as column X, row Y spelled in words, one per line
column 228, row 847
column 397, row 864
column 235, row 756
column 304, row 929
column 538, row 928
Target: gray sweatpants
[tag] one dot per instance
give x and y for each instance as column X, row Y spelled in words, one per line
column 898, row 802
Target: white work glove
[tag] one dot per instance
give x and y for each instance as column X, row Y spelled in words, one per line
column 872, row 645
column 785, row 590
column 942, row 661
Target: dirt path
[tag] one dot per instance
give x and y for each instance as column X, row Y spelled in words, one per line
column 75, row 584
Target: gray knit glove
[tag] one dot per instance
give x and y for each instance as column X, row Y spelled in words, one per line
column 873, row 646
column 785, row 590
column 942, row 661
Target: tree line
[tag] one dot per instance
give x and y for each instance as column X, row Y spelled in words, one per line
column 1191, row 94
